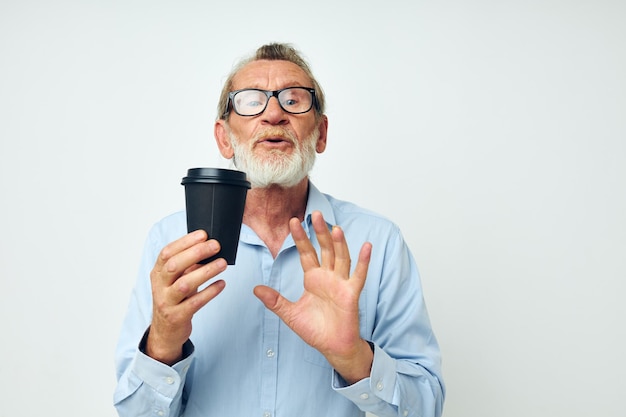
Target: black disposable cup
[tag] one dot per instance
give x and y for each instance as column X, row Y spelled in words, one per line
column 215, row 199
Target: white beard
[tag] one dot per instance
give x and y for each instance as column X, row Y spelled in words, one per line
column 278, row 168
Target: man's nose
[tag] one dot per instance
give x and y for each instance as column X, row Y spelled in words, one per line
column 274, row 113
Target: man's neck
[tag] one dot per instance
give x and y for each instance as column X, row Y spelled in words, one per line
column 268, row 211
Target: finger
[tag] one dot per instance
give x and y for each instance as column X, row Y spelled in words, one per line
column 178, row 246
column 187, row 258
column 194, row 303
column 187, row 285
column 274, row 302
column 308, row 255
column 360, row 271
column 327, row 250
column 341, row 252
column 163, row 273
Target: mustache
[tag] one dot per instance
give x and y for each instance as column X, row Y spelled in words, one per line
column 276, row 133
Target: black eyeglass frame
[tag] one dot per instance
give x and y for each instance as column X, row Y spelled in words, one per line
column 269, row 95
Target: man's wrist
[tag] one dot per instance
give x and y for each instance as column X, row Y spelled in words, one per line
column 167, row 358
column 359, row 367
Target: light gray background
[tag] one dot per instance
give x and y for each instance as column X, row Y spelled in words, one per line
column 493, row 132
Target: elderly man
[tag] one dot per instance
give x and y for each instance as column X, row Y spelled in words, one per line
column 295, row 328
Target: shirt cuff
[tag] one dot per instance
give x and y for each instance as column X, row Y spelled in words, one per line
column 164, row 379
column 379, row 386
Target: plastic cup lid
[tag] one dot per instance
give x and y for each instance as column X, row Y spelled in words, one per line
column 215, row 176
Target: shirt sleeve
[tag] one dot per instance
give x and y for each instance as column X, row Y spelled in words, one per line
column 405, row 379
column 146, row 387
column 151, row 388
column 380, row 394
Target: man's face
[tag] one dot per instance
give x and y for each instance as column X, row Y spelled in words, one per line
column 274, row 147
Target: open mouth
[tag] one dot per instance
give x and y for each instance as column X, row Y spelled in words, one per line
column 275, row 141
column 274, row 137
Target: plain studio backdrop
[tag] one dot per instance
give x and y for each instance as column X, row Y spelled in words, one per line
column 493, row 132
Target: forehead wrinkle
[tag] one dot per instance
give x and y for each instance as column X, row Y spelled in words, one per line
column 270, row 75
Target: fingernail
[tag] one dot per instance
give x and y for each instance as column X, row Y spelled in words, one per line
column 199, row 233
column 221, row 263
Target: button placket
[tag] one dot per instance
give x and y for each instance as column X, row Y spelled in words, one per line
column 269, row 341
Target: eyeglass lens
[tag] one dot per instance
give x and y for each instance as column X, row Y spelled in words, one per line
column 293, row 100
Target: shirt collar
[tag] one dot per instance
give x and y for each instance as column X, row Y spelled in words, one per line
column 315, row 201
column 318, row 202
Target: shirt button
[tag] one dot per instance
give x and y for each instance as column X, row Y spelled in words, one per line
column 405, row 413
column 270, row 354
column 169, row 380
column 160, row 413
column 364, row 396
column 379, row 386
column 267, row 414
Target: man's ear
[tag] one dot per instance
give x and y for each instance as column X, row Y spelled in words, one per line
column 220, row 130
column 320, row 146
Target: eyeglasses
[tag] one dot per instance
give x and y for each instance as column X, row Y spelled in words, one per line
column 252, row 101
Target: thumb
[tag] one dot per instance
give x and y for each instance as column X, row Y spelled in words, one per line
column 271, row 298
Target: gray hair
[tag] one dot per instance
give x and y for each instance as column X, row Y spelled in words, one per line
column 271, row 52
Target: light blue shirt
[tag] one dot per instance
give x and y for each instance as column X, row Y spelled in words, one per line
column 245, row 362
